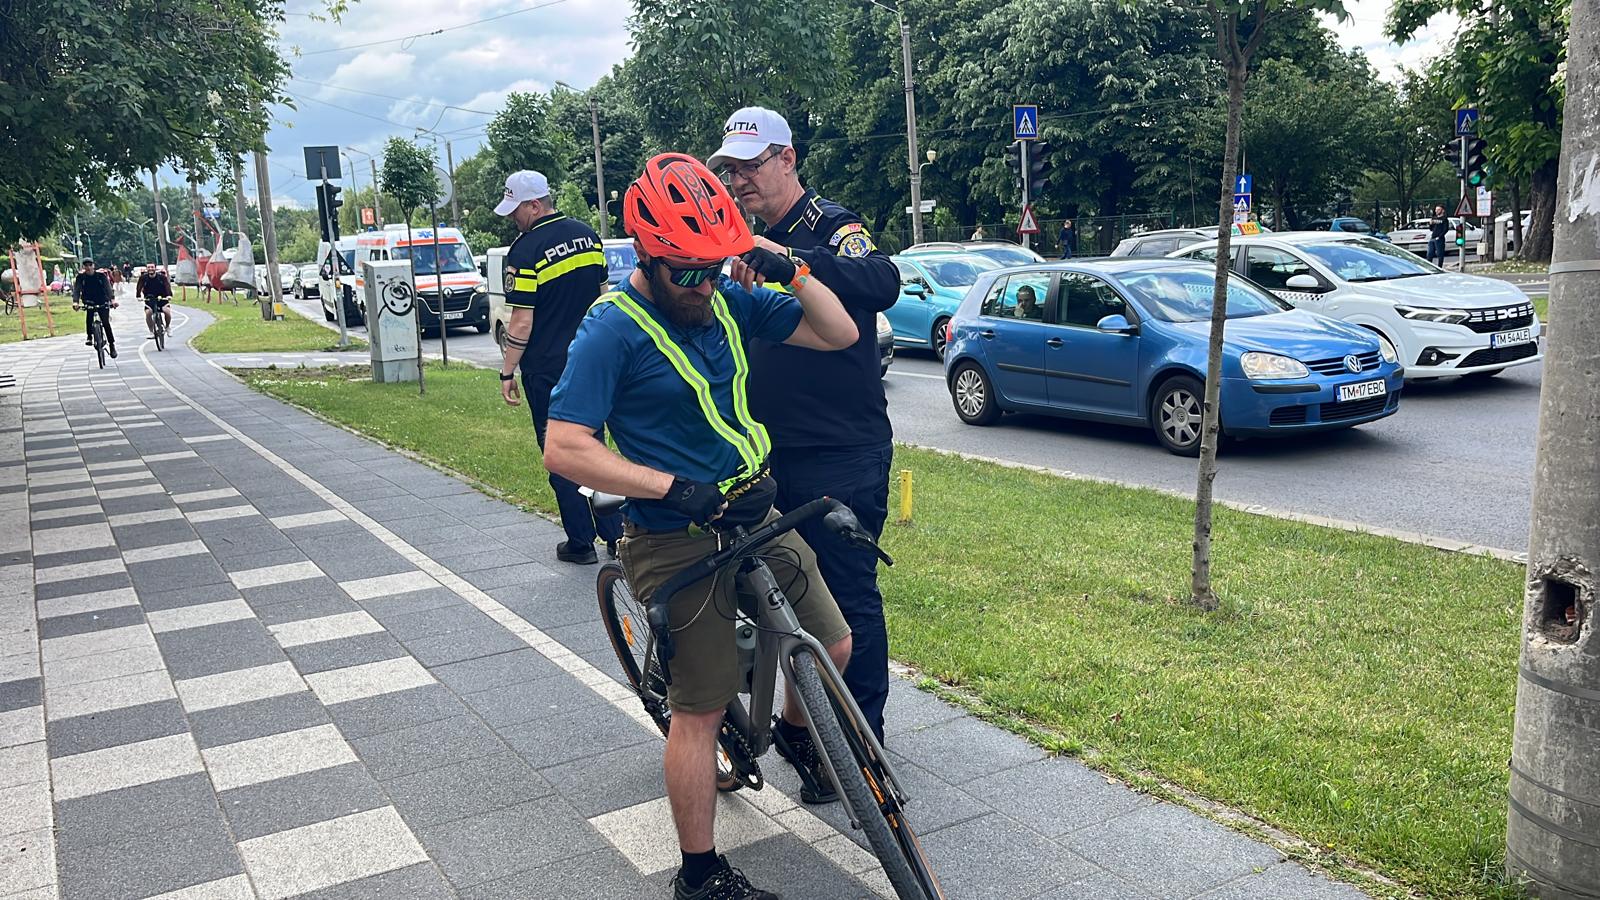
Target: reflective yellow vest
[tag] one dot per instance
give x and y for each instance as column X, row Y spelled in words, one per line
column 749, row 438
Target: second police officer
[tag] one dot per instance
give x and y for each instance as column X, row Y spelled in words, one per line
column 826, row 412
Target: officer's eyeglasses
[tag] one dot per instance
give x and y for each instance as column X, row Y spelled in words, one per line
column 747, row 170
column 692, row 277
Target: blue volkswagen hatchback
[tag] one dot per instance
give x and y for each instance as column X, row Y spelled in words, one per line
column 1124, row 340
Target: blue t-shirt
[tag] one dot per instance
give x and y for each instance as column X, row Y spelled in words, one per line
column 616, row 377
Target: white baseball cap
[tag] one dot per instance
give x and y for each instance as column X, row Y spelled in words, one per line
column 520, row 186
column 748, row 133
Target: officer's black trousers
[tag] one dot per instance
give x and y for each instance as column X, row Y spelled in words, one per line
column 858, row 477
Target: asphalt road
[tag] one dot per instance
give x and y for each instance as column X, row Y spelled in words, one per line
column 1456, row 461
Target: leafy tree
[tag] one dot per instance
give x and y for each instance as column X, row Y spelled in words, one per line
column 569, row 199
column 1305, row 137
column 769, row 52
column 1508, row 64
column 520, row 137
column 481, row 185
column 621, row 138
column 1409, row 127
column 183, row 81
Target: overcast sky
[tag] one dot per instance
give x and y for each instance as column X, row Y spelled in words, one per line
column 356, row 83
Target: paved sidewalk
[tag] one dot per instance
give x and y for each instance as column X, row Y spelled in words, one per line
column 244, row 654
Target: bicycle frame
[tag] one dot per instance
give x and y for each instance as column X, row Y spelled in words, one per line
column 779, row 638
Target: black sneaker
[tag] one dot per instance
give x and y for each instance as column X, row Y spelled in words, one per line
column 112, row 349
column 89, row 342
column 583, row 556
column 725, row 883
column 611, row 549
column 801, row 752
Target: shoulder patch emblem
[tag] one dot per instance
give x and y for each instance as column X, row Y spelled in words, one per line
column 857, row 245
column 844, row 232
column 812, row 215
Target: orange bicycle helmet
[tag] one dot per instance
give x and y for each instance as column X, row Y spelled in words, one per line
column 678, row 208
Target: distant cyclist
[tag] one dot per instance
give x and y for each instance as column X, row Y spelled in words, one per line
column 91, row 290
column 156, row 292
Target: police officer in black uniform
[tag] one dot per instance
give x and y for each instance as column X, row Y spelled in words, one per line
column 554, row 271
column 826, row 412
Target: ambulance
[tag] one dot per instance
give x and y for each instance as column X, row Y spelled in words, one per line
column 466, row 301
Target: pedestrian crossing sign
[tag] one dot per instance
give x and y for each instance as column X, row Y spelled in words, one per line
column 1025, row 122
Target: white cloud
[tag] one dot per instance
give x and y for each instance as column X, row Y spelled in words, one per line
column 1364, row 30
column 370, row 70
column 286, row 202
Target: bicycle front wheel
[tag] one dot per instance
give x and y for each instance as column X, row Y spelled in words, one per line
column 161, row 338
column 100, row 349
column 866, row 788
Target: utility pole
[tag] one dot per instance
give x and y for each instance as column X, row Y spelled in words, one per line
column 1461, row 232
column 377, row 204
column 455, row 204
column 599, row 172
column 1025, row 157
column 269, row 232
column 1552, row 831
column 355, row 188
column 161, row 219
column 911, row 129
column 197, row 224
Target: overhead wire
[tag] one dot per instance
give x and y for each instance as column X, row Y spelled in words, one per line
column 437, row 31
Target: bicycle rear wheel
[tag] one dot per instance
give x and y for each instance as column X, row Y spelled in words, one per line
column 628, row 627
column 161, row 337
column 865, row 787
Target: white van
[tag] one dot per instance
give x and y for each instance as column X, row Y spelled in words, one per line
column 354, row 311
column 465, row 301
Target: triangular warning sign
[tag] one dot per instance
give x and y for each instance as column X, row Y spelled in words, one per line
column 1029, row 225
column 1026, row 126
column 1465, row 208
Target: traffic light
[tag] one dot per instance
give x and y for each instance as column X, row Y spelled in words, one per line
column 328, row 204
column 1450, row 152
column 1038, row 167
column 1477, row 171
column 1014, row 160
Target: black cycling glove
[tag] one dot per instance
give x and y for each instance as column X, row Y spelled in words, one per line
column 770, row 266
column 699, row 500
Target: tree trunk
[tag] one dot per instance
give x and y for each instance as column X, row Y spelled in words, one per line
column 1541, row 218
column 1552, row 831
column 411, row 261
column 1201, row 593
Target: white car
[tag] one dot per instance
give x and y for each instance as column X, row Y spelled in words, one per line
column 1414, row 236
column 1441, row 323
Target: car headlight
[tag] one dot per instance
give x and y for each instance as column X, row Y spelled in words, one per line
column 1387, row 349
column 883, row 324
column 1271, row 365
column 1431, row 314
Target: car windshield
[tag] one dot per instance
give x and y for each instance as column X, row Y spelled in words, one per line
column 1007, row 256
column 457, row 258
column 1369, row 259
column 1183, row 295
column 957, row 271
column 620, row 260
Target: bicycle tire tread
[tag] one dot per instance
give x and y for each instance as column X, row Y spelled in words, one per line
column 853, row 785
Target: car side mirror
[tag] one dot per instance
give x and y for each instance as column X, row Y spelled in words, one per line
column 1302, row 282
column 914, row 289
column 1116, row 325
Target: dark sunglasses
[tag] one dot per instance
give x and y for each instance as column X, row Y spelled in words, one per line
column 692, row 277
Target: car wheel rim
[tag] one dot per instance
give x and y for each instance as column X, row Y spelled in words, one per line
column 1180, row 417
column 938, row 339
column 970, row 394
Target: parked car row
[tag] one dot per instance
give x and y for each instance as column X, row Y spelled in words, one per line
column 1324, row 329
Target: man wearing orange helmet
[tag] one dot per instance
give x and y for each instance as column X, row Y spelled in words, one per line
column 662, row 363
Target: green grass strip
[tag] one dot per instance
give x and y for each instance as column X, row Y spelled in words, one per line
column 1353, row 690
column 240, row 329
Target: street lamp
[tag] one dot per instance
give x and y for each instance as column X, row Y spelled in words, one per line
column 139, row 227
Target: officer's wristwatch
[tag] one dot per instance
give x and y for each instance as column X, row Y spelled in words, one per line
column 505, row 377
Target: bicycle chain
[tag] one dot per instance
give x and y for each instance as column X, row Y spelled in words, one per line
column 745, row 757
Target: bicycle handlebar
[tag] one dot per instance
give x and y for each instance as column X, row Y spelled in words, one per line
column 836, row 517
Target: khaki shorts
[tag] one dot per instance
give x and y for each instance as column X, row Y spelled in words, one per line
column 705, row 665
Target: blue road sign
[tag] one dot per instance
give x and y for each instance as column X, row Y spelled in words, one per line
column 1241, row 202
column 1467, row 121
column 1025, row 122
column 1244, row 184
